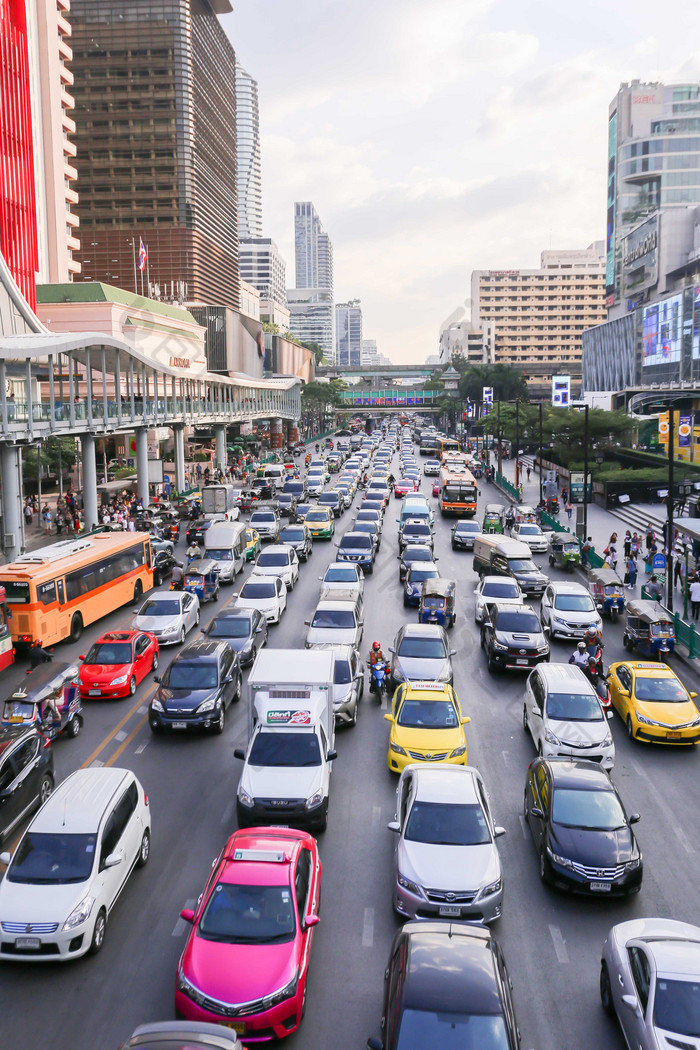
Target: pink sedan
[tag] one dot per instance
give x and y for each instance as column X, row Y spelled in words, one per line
column 246, row 959
column 404, row 486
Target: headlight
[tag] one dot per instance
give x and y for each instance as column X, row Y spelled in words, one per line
column 646, row 721
column 156, row 705
column 542, row 648
column 120, row 680
column 397, row 674
column 188, row 989
column 396, row 748
column 314, row 801
column 608, row 741
column 169, row 630
column 245, row 799
column 633, row 864
column 497, row 645
column 458, row 751
column 284, row 993
column 80, row 914
column 445, row 674
column 563, row 862
column 208, row 705
column 493, row 887
column 406, row 884
column 551, row 738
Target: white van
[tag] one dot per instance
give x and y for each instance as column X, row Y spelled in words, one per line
column 275, row 474
column 225, row 544
column 338, row 619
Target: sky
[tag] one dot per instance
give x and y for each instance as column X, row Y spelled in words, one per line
column 437, row 137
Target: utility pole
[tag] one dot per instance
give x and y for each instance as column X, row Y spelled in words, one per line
column 541, row 452
column 585, row 474
column 669, row 538
column 517, row 442
column 500, row 449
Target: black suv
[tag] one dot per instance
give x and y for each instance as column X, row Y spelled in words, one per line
column 333, row 500
column 298, row 535
column 511, row 636
column 244, row 630
column 198, row 686
column 26, row 775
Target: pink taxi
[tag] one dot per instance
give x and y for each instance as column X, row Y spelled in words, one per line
column 247, row 957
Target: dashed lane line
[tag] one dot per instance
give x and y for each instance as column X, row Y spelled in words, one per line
column 180, row 926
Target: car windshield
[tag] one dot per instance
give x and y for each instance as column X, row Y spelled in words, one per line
column 521, row 565
column 574, row 603
column 574, row 707
column 160, row 607
column 279, row 748
column 230, row 627
column 199, row 675
column 52, row 858
column 599, row 810
column 16, row 592
column 518, row 622
column 248, row 914
column 447, row 824
column 530, row 530
column 333, row 618
column 220, row 553
column 342, row 675
column 677, row 1007
column 338, row 575
column 468, row 526
column 316, row 515
column 660, row 690
column 292, row 535
column 268, row 558
column 423, row 648
column 427, row 714
column 417, row 530
column 265, row 516
column 417, row 554
column 258, row 590
column 358, row 541
column 451, row 1031
column 500, row 590
column 109, row 653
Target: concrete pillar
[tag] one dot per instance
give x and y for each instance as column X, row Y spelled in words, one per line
column 87, row 453
column 142, row 464
column 276, row 433
column 179, row 441
column 220, row 434
column 293, row 433
column 12, row 511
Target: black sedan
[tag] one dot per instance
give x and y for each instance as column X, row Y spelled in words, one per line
column 245, row 630
column 446, row 986
column 197, row 687
column 413, row 552
column 581, row 831
column 196, row 529
column 26, row 774
column 287, row 504
column 298, row 535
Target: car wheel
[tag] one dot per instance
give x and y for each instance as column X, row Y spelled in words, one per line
column 154, row 663
column 132, row 685
column 490, row 664
column 239, row 686
column 215, row 598
column 74, row 726
column 525, row 808
column 525, row 717
column 45, row 789
column 544, row 875
column 220, row 724
column 405, row 602
column 630, row 728
column 98, row 933
column 196, row 619
column 606, row 991
column 183, row 635
column 144, row 849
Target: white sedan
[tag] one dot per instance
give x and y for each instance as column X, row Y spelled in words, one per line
column 280, row 559
column 501, row 589
column 266, row 593
column 532, row 534
column 168, row 615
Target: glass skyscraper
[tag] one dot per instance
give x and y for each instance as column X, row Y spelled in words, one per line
column 311, row 302
column 348, row 333
column 250, row 223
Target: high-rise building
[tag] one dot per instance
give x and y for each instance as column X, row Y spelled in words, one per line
column 248, row 152
column 264, row 268
column 369, row 353
column 476, row 345
column 348, row 333
column 313, row 251
column 653, row 166
column 539, row 315
column 155, row 93
column 312, row 318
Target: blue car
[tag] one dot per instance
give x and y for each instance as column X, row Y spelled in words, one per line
column 413, row 582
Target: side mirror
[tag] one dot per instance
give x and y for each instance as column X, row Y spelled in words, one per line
column 375, row 1044
column 631, row 1001
column 307, row 623
column 5, row 858
column 624, row 692
column 635, row 818
column 113, row 860
column 536, row 812
column 609, row 714
column 394, row 825
column 157, row 678
column 187, row 914
column 81, row 657
column 692, row 695
column 546, row 629
column 392, row 649
column 498, row 831
column 311, row 920
column 239, row 753
column 330, row 755
column 466, row 720
column 453, row 652
column 388, row 717
column 535, row 709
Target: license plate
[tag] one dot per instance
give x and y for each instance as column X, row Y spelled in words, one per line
column 450, row 911
column 238, row 1026
column 27, row 944
column 673, row 736
column 179, row 725
column 600, row 887
column 94, row 692
column 521, row 663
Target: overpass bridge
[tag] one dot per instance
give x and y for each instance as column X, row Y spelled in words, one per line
column 391, row 400
column 375, row 373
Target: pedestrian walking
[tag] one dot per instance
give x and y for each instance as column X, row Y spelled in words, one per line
column 695, row 599
column 586, row 549
column 612, row 556
column 528, row 469
column 569, row 510
column 627, row 544
column 28, row 516
column 46, row 517
column 631, row 573
column 649, row 537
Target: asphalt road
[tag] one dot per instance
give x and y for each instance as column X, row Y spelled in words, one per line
column 551, row 942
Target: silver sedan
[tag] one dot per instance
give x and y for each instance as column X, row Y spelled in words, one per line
column 168, row 615
column 650, row 979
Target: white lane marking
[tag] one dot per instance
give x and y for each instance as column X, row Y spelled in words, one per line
column 121, row 735
column 376, row 816
column 142, row 709
column 181, row 925
column 671, row 823
column 96, row 763
column 228, row 812
column 368, row 928
column 142, row 747
column 505, row 756
column 523, row 825
column 559, row 946
column 384, row 706
column 637, row 768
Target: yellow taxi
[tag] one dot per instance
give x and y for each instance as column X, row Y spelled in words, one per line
column 653, row 703
column 427, row 725
column 252, row 544
column 320, row 522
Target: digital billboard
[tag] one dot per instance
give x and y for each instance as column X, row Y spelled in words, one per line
column 640, row 259
column 610, row 230
column 561, row 390
column 696, row 321
column 662, row 332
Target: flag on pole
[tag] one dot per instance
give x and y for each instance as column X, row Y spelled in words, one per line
column 143, row 257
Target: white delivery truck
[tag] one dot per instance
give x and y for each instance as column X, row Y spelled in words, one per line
column 287, row 764
column 220, row 499
column 225, row 544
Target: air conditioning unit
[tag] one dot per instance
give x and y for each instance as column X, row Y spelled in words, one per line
column 8, row 539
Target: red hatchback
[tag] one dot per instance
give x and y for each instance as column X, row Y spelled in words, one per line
column 116, row 663
column 246, row 960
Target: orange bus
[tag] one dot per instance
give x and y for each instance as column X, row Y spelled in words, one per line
column 457, row 492
column 53, row 592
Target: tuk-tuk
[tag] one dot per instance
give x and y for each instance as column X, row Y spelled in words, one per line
column 437, row 602
column 524, row 512
column 493, row 518
column 649, row 629
column 564, row 551
column 202, row 579
column 607, row 591
column 49, row 681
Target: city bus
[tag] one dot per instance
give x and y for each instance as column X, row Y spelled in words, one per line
column 53, row 592
column 428, row 444
column 7, row 651
column 457, row 492
column 446, row 445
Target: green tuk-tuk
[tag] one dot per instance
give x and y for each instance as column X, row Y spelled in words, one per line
column 493, row 518
column 564, row 551
column 202, row 579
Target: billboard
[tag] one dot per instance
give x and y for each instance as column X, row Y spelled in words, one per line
column 696, row 322
column 662, row 332
column 640, row 258
column 684, row 431
column 561, row 390
column 610, row 227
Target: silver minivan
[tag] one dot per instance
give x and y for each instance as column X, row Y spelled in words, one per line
column 339, row 619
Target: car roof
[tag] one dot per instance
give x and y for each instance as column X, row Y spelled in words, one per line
column 644, row 669
column 445, row 783
column 423, row 630
column 450, row 965
column 78, row 803
column 277, row 548
column 117, row 636
column 342, row 565
column 581, row 774
column 9, row 735
column 232, row 613
column 204, row 649
column 565, row 676
column 265, row 872
column 560, row 587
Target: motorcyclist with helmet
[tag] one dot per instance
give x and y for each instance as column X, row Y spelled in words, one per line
column 376, row 655
column 594, row 646
column 580, row 656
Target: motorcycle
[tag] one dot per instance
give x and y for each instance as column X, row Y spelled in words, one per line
column 379, row 678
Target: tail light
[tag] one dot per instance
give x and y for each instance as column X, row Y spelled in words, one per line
column 145, row 799
column 47, row 743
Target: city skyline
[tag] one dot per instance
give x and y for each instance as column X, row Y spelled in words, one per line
column 388, row 154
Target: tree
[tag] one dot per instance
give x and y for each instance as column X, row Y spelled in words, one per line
column 49, row 458
column 316, row 350
column 563, row 429
column 508, row 383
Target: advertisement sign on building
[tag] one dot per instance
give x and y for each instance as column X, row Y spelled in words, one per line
column 640, row 258
column 662, row 332
column 684, row 431
column 696, row 322
column 487, row 398
column 663, row 426
column 561, row 390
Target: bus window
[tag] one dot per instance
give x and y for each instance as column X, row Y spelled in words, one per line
column 46, row 593
column 17, row 592
column 61, row 593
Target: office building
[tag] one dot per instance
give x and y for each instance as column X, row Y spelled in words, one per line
column 369, row 354
column 264, row 268
column 653, row 167
column 539, row 315
column 248, row 154
column 155, row 94
column 313, row 251
column 312, row 318
column 348, row 333
column 476, row 345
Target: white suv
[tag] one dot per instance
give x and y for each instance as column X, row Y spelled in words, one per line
column 564, row 715
column 71, row 865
